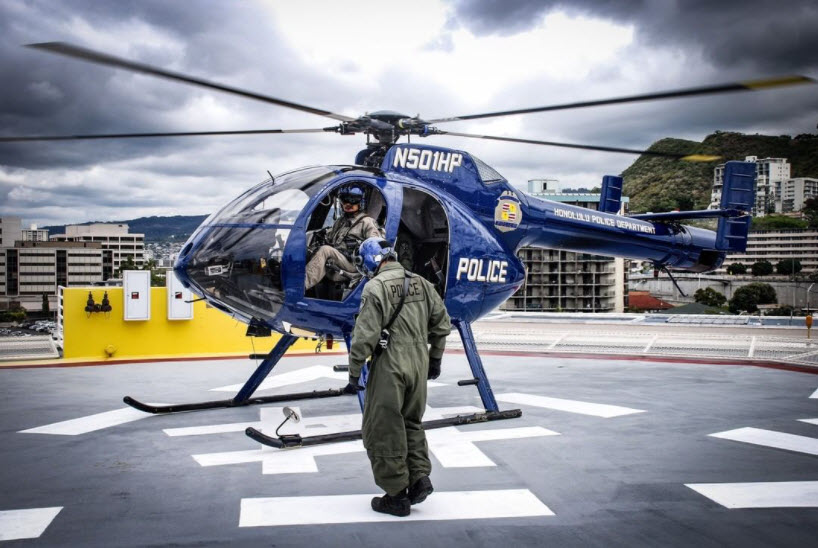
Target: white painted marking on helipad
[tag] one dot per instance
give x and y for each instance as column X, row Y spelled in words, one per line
column 277, row 380
column 211, row 429
column 811, row 421
column 771, row 438
column 308, row 374
column 453, row 505
column 91, row 423
column 302, row 461
column 571, row 406
column 814, row 394
column 30, row 523
column 229, row 457
column 784, row 494
column 455, row 448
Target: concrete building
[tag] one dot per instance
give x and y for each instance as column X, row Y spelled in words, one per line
column 11, row 230
column 770, row 175
column 35, row 234
column 114, row 237
column 794, row 192
column 565, row 281
column 777, row 245
column 30, row 269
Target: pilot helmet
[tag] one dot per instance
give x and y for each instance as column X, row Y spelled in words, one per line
column 372, row 252
column 352, row 195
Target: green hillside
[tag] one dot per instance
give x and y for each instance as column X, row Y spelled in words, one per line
column 156, row 229
column 662, row 184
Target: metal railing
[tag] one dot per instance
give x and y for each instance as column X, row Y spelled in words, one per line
column 800, row 351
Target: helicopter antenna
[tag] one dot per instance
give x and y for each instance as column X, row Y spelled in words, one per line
column 272, row 179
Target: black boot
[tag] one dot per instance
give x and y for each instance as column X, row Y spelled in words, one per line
column 421, row 489
column 397, row 505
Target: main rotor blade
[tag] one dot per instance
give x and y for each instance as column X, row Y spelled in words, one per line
column 141, row 135
column 105, row 59
column 750, row 85
column 685, row 157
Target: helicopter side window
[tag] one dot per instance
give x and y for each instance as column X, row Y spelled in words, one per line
column 423, row 237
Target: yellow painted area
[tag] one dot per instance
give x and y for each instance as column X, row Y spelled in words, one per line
column 101, row 336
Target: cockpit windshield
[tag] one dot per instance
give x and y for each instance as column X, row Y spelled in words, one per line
column 238, row 261
column 276, row 201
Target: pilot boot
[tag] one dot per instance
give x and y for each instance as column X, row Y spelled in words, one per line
column 397, row 505
column 421, row 489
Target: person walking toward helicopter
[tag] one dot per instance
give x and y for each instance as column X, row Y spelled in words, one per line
column 343, row 239
column 400, row 316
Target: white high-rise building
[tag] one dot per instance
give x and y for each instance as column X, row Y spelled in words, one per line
column 35, row 234
column 770, row 175
column 11, row 230
column 111, row 236
column 34, row 268
column 794, row 192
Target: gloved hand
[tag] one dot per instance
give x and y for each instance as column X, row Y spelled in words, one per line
column 353, row 386
column 434, row 368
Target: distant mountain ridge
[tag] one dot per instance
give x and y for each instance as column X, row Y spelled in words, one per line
column 177, row 228
column 662, row 184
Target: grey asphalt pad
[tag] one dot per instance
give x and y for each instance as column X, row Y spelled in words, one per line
column 606, row 453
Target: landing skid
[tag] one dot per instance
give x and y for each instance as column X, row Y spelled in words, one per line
column 244, row 395
column 219, row 404
column 293, row 441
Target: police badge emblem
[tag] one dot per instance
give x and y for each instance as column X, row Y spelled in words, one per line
column 507, row 214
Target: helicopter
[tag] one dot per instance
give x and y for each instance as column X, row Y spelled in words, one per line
column 463, row 221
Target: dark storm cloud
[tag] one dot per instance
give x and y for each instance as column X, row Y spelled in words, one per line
column 770, row 36
column 45, row 94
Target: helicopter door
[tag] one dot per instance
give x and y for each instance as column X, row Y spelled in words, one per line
column 340, row 276
column 423, row 237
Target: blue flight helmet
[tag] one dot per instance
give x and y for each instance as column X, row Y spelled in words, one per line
column 352, row 195
column 372, row 252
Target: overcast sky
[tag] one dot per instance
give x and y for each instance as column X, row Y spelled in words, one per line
column 435, row 58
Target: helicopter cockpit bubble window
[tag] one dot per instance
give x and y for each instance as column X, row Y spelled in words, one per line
column 276, row 201
column 239, row 259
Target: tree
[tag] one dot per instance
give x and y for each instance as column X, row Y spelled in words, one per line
column 737, row 268
column 46, row 307
column 788, row 266
column 709, row 297
column 128, row 264
column 748, row 297
column 777, row 222
column 762, row 268
column 810, row 212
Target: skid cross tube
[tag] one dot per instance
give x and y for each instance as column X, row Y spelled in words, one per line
column 293, row 441
column 244, row 395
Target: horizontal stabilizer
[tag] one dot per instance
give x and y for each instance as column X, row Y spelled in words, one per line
column 681, row 215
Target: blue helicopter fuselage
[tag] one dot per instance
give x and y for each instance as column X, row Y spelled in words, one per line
column 250, row 258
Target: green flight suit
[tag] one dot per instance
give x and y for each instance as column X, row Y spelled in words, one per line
column 396, row 388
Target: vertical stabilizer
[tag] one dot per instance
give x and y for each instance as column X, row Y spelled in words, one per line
column 610, row 198
column 738, row 193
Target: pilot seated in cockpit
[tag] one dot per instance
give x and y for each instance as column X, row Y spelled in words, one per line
column 342, row 240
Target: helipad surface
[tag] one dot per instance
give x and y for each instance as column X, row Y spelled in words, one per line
column 607, row 453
